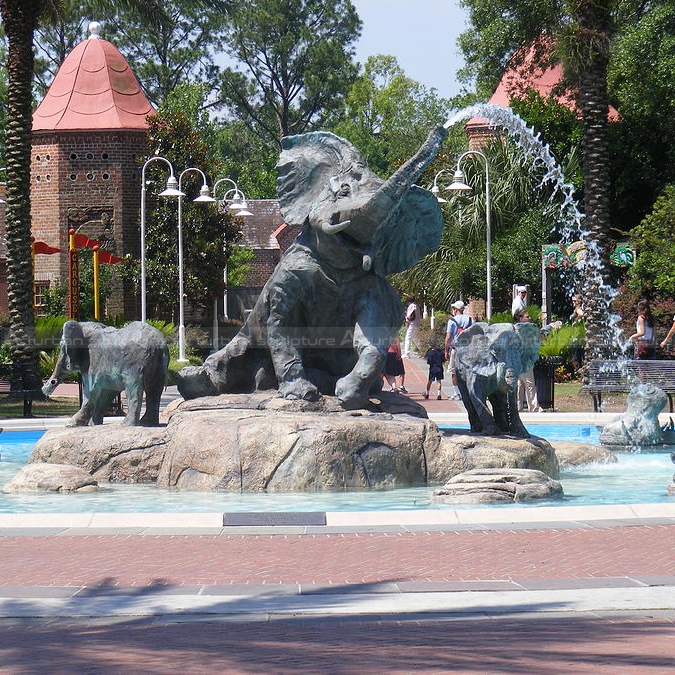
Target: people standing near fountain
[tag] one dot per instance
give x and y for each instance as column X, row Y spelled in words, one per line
column 526, row 382
column 412, row 322
column 519, row 301
column 668, row 337
column 456, row 324
column 393, row 367
column 644, row 332
column 577, row 314
column 435, row 360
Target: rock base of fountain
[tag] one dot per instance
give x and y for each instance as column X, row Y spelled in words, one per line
column 261, row 442
column 494, row 486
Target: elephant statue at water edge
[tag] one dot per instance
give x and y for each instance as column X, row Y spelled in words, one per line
column 325, row 318
column 490, row 359
column 110, row 360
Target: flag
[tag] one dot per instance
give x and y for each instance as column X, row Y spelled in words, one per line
column 83, row 241
column 41, row 247
column 105, row 257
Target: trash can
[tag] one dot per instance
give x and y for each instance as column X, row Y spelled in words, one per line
column 544, row 381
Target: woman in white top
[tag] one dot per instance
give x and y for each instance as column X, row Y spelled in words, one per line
column 644, row 332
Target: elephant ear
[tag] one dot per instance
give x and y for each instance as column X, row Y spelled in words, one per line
column 412, row 230
column 307, row 166
column 472, row 349
column 75, row 346
column 530, row 339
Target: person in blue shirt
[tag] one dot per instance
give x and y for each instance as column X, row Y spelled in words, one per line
column 456, row 324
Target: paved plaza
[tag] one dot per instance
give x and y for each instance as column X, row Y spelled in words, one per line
column 485, row 590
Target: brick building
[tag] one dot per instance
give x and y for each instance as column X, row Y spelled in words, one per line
column 268, row 236
column 89, row 132
column 89, row 140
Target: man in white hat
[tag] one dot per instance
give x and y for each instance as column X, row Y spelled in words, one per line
column 456, row 325
column 519, row 301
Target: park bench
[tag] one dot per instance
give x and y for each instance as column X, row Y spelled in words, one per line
column 611, row 376
column 12, row 379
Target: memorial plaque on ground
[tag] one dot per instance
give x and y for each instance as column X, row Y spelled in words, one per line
column 265, row 519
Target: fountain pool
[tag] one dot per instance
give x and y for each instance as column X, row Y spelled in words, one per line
column 637, row 478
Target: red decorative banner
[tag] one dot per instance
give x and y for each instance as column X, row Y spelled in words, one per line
column 41, row 247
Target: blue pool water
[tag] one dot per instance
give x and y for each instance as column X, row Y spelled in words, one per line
column 635, row 479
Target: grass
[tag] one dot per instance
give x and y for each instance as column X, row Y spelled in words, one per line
column 568, row 397
column 60, row 406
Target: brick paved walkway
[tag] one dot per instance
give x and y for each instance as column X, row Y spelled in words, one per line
column 466, row 600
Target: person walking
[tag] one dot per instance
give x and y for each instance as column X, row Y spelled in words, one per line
column 435, row 360
column 526, row 384
column 644, row 332
column 412, row 322
column 393, row 367
column 456, row 324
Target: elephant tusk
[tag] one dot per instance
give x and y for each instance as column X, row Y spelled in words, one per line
column 367, row 263
column 336, row 228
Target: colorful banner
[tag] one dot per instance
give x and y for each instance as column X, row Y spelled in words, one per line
column 622, row 256
column 557, row 256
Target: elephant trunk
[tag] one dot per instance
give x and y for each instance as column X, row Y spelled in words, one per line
column 59, row 374
column 395, row 187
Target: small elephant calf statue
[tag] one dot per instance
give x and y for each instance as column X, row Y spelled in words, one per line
column 490, row 359
column 133, row 359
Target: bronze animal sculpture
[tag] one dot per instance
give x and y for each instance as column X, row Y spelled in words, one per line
column 133, row 359
column 326, row 316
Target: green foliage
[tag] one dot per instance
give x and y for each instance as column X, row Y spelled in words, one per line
column 388, row 114
column 5, row 353
column 166, row 328
column 296, row 61
column 559, row 342
column 429, row 337
column 48, row 331
column 238, row 267
column 654, row 269
column 207, row 232
column 523, row 219
column 55, row 299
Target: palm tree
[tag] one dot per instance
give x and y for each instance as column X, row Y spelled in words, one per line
column 20, row 19
column 586, row 44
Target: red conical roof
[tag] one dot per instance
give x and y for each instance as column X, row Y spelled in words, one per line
column 93, row 89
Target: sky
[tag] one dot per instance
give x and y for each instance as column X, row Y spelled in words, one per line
column 421, row 34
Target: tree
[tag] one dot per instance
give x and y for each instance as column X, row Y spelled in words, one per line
column 180, row 133
column 20, row 19
column 654, row 269
column 524, row 217
column 388, row 115
column 294, row 63
column 639, row 79
column 180, row 49
column 582, row 31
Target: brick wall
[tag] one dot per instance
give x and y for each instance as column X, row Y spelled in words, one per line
column 89, row 181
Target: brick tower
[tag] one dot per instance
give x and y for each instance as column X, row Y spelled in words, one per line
column 89, row 133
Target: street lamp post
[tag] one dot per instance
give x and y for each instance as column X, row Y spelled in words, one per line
column 458, row 184
column 204, row 196
column 435, row 189
column 241, row 210
column 171, row 190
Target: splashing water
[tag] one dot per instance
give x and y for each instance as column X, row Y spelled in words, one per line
column 571, row 222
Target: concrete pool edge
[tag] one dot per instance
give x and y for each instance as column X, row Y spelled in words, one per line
column 344, row 521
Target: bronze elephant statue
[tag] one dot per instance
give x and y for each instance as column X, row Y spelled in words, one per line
column 325, row 318
column 489, row 359
column 110, row 360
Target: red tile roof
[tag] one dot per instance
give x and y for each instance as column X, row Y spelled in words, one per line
column 93, row 89
column 522, row 75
